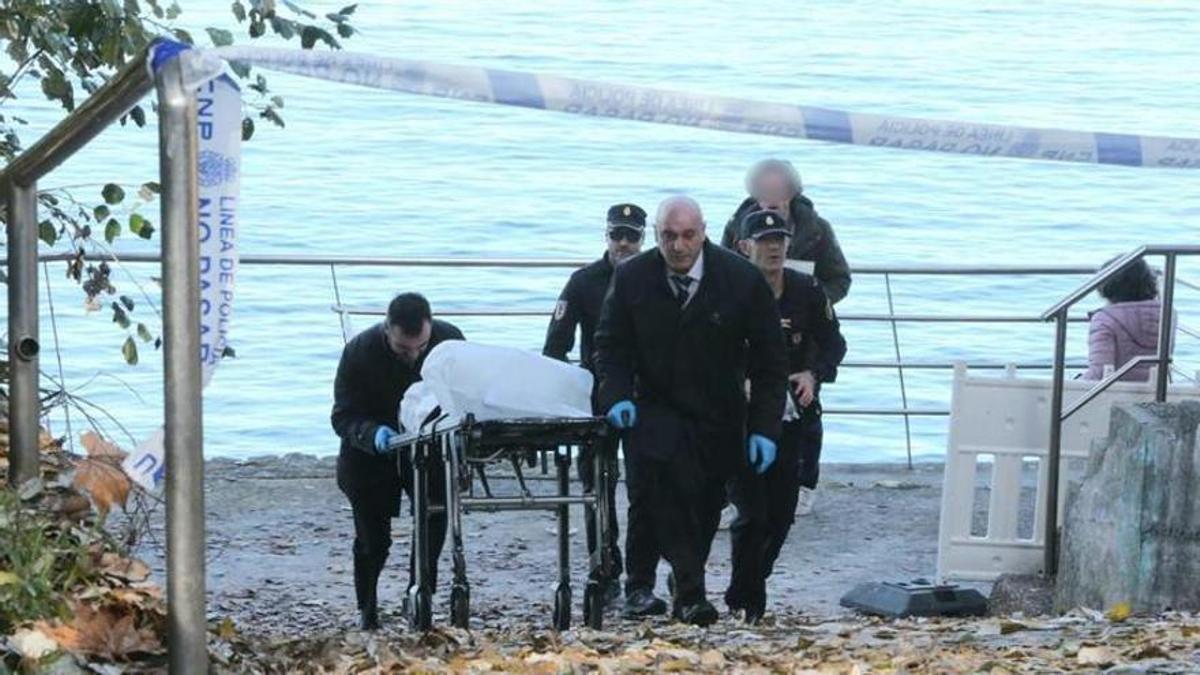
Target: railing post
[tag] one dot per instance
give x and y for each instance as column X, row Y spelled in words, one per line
column 1054, row 458
column 887, row 282
column 1166, row 329
column 23, row 346
column 187, row 630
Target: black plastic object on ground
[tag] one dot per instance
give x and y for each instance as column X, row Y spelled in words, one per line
column 919, row 597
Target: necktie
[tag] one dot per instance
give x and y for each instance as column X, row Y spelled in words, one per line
column 682, row 283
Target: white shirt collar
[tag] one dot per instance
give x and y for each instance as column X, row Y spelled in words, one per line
column 695, row 274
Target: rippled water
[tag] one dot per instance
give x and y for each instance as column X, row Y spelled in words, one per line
column 367, row 172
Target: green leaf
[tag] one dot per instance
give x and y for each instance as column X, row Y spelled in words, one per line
column 348, row 9
column 144, row 333
column 127, row 301
column 239, row 11
column 309, row 37
column 286, row 29
column 112, row 230
column 219, row 36
column 136, row 223
column 257, row 28
column 138, row 115
column 147, row 231
column 112, row 193
column 119, row 316
column 270, row 114
column 183, row 36
column 173, row 12
column 345, row 30
column 147, row 191
column 129, row 351
column 240, row 69
column 247, row 128
column 47, row 232
column 100, row 212
column 152, row 186
column 277, row 101
column 228, row 353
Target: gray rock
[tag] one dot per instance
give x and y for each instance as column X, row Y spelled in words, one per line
column 1028, row 594
column 1132, row 529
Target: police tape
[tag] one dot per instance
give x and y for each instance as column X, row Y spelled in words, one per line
column 662, row 106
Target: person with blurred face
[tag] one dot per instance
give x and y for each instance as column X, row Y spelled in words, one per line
column 774, row 185
column 377, row 366
column 681, row 329
column 579, row 305
column 766, row 503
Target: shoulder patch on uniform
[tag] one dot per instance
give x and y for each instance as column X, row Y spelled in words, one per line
column 560, row 310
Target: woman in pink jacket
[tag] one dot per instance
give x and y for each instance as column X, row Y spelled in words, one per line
column 1128, row 326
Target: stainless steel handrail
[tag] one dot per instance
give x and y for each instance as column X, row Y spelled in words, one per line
column 1162, row 359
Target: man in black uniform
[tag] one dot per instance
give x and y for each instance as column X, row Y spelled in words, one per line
column 815, row 347
column 681, row 330
column 377, row 367
column 579, row 304
column 774, row 184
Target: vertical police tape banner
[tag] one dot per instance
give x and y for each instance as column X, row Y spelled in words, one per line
column 219, row 128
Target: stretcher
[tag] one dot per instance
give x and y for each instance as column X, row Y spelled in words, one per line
column 466, row 447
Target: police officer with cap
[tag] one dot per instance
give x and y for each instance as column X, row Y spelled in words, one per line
column 766, row 503
column 579, row 306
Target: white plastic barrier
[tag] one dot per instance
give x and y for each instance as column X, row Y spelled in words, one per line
column 1005, row 421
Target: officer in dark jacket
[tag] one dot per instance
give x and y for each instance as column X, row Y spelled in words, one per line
column 377, row 367
column 682, row 328
column 766, row 504
column 579, row 305
column 774, row 185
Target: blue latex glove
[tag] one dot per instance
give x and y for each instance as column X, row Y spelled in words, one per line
column 761, row 452
column 382, row 435
column 623, row 414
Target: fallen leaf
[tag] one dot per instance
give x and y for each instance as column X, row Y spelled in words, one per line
column 7, row 578
column 32, row 644
column 96, row 446
column 105, row 483
column 1009, row 627
column 712, row 659
column 1119, row 612
column 129, row 569
column 226, row 630
column 109, row 632
column 1151, row 651
column 1096, row 656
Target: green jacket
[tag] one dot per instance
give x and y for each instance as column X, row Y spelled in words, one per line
column 813, row 240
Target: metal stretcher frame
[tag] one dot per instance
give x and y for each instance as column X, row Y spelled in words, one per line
column 464, row 448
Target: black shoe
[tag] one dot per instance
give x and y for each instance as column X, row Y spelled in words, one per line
column 671, row 583
column 698, row 614
column 369, row 619
column 641, row 603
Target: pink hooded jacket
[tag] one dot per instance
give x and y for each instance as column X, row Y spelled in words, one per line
column 1118, row 333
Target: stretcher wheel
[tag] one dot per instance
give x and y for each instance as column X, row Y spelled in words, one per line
column 421, row 618
column 460, row 607
column 562, row 608
column 593, row 606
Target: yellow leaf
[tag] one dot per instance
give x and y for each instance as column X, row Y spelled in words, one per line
column 226, row 630
column 7, row 578
column 1119, row 612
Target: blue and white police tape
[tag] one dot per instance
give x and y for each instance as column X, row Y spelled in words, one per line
column 646, row 104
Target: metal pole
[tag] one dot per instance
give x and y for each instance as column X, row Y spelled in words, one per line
column 1165, row 329
column 887, row 281
column 186, row 621
column 1050, row 564
column 23, row 347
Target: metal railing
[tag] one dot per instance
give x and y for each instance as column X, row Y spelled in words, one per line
column 186, row 618
column 1162, row 359
column 897, row 364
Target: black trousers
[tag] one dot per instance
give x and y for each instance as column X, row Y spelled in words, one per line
column 587, row 476
column 681, row 495
column 375, row 499
column 766, row 508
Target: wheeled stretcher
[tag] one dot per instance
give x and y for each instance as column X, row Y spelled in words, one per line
column 466, row 447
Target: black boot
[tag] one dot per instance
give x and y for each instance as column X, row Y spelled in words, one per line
column 642, row 602
column 369, row 617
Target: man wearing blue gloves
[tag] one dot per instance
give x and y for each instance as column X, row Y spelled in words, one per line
column 681, row 330
column 376, row 368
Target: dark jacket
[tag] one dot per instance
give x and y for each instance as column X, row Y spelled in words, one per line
column 691, row 364
column 578, row 305
column 810, row 328
column 370, row 382
column 812, row 240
